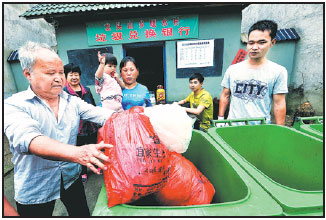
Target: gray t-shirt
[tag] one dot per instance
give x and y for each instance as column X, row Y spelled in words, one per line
column 252, row 89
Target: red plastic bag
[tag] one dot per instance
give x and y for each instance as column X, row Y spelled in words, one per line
column 186, row 185
column 138, row 161
column 100, row 135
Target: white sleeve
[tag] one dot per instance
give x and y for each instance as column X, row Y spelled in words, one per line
column 226, row 79
column 93, row 113
column 20, row 128
column 280, row 85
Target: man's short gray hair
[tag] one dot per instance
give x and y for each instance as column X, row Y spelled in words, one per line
column 28, row 54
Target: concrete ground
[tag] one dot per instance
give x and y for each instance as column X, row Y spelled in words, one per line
column 92, row 186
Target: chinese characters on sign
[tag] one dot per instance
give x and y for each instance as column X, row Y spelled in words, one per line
column 142, row 29
column 195, row 53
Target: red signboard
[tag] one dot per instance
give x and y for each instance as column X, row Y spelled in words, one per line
column 241, row 55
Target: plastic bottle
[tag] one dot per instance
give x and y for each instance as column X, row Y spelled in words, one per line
column 152, row 97
column 160, row 95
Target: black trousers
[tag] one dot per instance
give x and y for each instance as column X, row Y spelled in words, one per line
column 82, row 140
column 73, row 198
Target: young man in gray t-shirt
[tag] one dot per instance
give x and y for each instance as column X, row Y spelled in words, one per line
column 254, row 84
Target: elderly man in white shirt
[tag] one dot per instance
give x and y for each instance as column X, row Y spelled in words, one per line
column 41, row 124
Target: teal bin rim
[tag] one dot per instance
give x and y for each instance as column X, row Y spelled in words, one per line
column 306, row 128
column 311, row 131
column 229, row 122
column 317, row 119
column 248, row 205
column 275, row 189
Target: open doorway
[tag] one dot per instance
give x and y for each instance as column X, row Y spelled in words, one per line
column 150, row 61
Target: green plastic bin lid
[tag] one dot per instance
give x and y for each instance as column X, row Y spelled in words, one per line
column 237, row 194
column 287, row 163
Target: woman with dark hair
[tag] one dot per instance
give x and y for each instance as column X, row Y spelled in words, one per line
column 134, row 93
column 87, row 133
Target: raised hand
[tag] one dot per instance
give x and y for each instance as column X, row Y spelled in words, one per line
column 101, row 58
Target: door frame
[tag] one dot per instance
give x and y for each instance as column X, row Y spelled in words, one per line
column 148, row 44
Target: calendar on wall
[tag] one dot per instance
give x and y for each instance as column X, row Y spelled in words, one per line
column 195, row 53
column 202, row 56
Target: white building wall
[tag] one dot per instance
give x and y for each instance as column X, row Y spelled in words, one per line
column 17, row 31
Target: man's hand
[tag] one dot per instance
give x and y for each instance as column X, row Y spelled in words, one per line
column 91, row 154
column 219, row 125
column 87, row 155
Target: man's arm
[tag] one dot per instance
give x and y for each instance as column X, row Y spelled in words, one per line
column 92, row 113
column 181, row 102
column 197, row 110
column 279, row 108
column 224, row 101
column 87, row 155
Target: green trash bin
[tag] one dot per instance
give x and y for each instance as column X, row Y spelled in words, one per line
column 237, row 194
column 287, row 163
column 316, row 129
